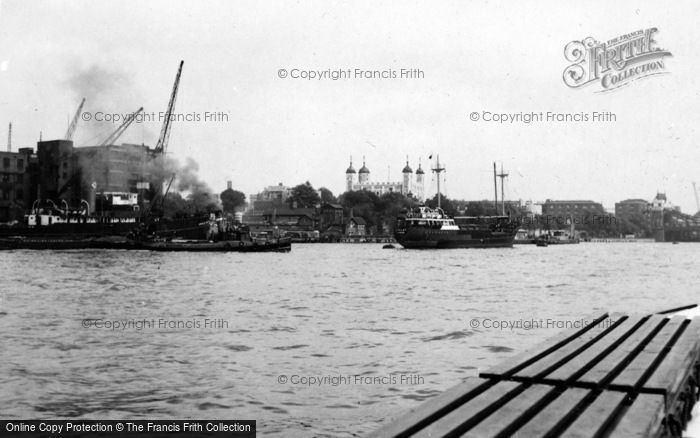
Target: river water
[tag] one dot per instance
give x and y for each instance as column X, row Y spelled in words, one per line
column 328, row 340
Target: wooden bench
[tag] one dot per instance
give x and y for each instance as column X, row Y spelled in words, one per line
column 620, row 376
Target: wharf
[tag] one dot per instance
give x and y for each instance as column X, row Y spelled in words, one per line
column 620, row 376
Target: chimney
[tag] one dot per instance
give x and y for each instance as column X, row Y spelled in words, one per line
column 9, row 138
column 229, row 185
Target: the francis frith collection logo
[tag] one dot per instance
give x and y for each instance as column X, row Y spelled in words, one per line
column 616, row 62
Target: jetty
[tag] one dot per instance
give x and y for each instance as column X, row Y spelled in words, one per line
column 619, row 376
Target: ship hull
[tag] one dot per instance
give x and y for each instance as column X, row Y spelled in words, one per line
column 420, row 238
column 115, row 242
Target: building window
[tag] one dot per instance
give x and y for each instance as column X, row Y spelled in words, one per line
column 6, row 163
column 20, row 164
column 19, row 194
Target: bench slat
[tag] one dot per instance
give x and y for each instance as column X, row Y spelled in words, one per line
column 541, row 366
column 595, row 416
column 462, row 418
column 577, row 363
column 508, row 413
column 548, row 417
column 671, row 374
column 425, row 411
column 643, row 419
column 508, row 367
column 603, row 369
column 633, row 373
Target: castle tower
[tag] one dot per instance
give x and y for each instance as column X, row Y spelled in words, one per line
column 420, row 181
column 349, row 177
column 407, row 172
column 364, row 173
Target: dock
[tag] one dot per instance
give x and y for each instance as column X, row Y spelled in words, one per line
column 620, row 376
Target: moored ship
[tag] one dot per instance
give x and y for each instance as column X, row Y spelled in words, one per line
column 425, row 227
column 432, row 228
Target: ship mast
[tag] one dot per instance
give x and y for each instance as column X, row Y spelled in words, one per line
column 502, row 175
column 437, row 169
column 495, row 189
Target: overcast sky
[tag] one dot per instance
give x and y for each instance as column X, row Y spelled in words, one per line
column 504, row 57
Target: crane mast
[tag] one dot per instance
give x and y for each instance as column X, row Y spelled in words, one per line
column 697, row 200
column 74, row 122
column 162, row 144
column 120, row 130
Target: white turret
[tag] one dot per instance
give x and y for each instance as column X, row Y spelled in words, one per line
column 420, row 181
column 407, row 179
column 349, row 177
column 364, row 173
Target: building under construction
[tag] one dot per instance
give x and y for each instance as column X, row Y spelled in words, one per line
column 103, row 180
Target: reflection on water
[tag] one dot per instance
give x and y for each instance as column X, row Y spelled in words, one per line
column 322, row 312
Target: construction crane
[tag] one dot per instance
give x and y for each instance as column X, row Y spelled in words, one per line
column 120, row 130
column 697, row 200
column 162, row 144
column 74, row 122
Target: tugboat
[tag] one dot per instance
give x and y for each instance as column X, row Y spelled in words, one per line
column 432, row 228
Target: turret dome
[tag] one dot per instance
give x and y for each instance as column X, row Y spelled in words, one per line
column 364, row 168
column 350, row 169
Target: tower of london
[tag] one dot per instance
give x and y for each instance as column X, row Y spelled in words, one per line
column 360, row 180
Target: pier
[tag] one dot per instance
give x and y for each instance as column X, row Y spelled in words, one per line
column 620, row 376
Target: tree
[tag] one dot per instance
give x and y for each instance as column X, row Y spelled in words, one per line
column 231, row 200
column 304, row 196
column 390, row 205
column 327, row 196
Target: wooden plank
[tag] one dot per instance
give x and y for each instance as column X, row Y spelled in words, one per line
column 669, row 378
column 643, row 419
column 568, row 352
column 470, row 413
column 596, row 416
column 432, row 409
column 513, row 365
column 605, row 369
column 631, row 377
column 546, row 419
column 511, row 411
column 579, row 362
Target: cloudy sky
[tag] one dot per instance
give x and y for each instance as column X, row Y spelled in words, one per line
column 502, row 57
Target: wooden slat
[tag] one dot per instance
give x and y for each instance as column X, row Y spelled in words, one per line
column 631, row 376
column 508, row 413
column 427, row 411
column 643, row 419
column 596, row 415
column 509, row 367
column 605, row 368
column 470, row 413
column 547, row 418
column 670, row 376
column 564, row 354
column 568, row 370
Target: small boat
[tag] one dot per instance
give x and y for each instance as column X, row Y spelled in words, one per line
column 541, row 242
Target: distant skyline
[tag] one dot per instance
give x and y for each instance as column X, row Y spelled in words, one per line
column 480, row 56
